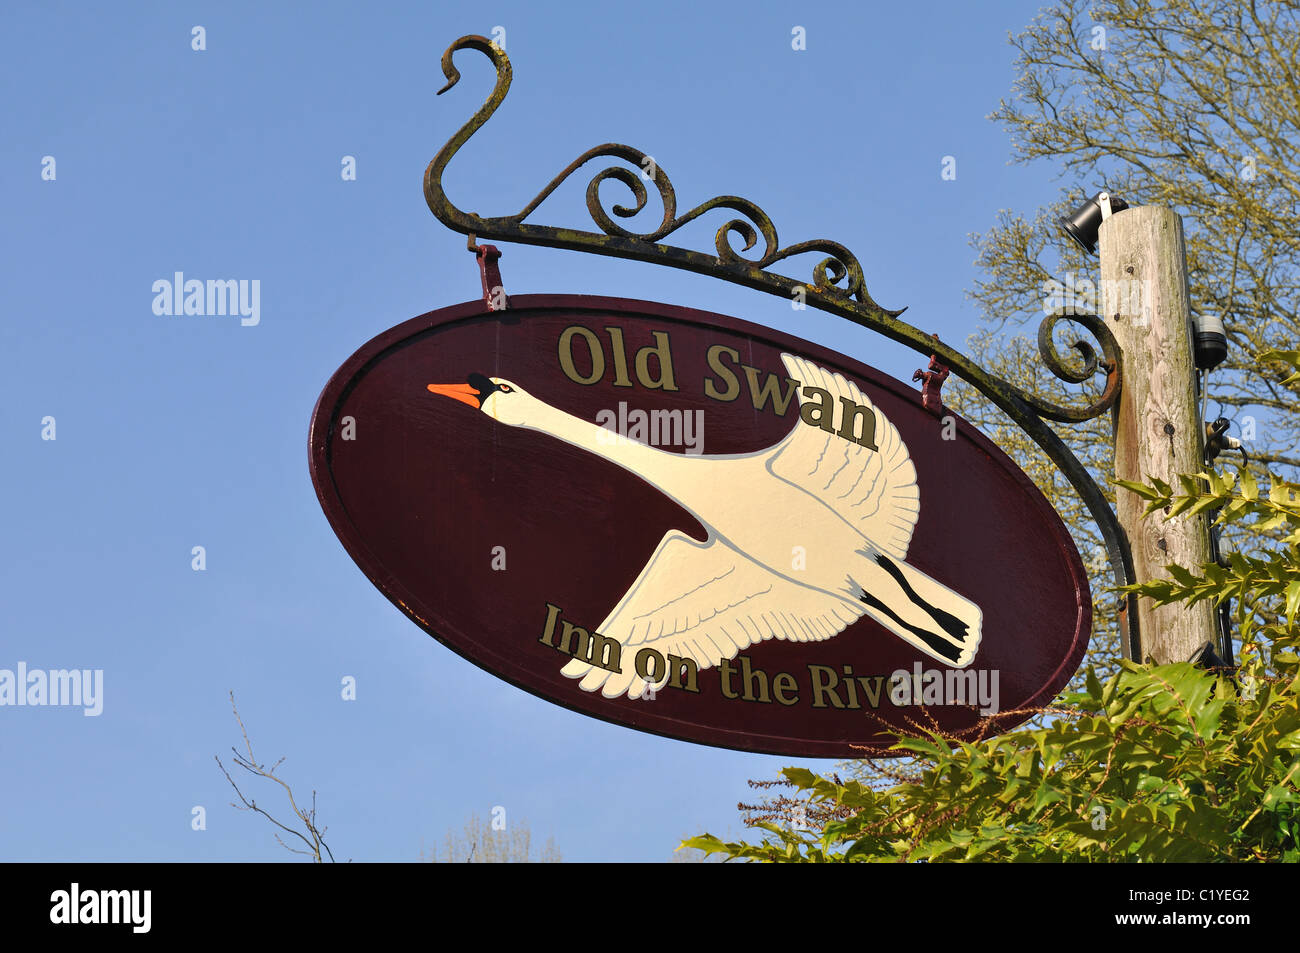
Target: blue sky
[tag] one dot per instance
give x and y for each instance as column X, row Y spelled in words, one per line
column 176, row 432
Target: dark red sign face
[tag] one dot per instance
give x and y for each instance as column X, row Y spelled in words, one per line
column 697, row 527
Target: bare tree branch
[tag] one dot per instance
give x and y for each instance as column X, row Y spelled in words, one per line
column 314, row 837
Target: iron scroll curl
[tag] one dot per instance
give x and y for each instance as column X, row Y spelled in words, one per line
column 836, row 286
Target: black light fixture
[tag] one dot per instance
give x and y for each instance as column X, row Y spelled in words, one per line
column 1206, row 658
column 1210, row 340
column 1082, row 226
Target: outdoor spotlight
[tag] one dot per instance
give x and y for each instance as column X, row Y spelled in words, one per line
column 1082, row 226
column 1210, row 340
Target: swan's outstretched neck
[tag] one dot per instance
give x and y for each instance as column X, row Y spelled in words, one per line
column 660, row 468
column 601, row 441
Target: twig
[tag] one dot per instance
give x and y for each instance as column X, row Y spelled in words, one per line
column 315, row 836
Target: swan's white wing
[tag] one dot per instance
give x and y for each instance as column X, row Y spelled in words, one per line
column 874, row 491
column 706, row 602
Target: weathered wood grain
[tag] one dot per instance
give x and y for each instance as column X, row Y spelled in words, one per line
column 1157, row 427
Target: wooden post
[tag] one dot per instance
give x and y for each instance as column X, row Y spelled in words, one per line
column 1157, row 426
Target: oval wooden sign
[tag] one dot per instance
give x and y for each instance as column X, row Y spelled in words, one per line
column 695, row 526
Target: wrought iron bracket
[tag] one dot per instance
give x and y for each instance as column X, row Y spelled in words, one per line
column 836, row 286
column 494, row 292
column 931, row 384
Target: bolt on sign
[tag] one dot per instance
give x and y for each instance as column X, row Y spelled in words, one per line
column 697, row 527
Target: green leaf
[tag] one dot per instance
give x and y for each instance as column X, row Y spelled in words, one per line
column 1141, row 489
column 705, row 842
column 1204, row 503
column 801, row 778
column 1278, row 796
column 1249, row 488
column 1288, row 357
column 1292, row 600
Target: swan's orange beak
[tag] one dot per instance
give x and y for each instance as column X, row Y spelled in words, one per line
column 464, row 393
